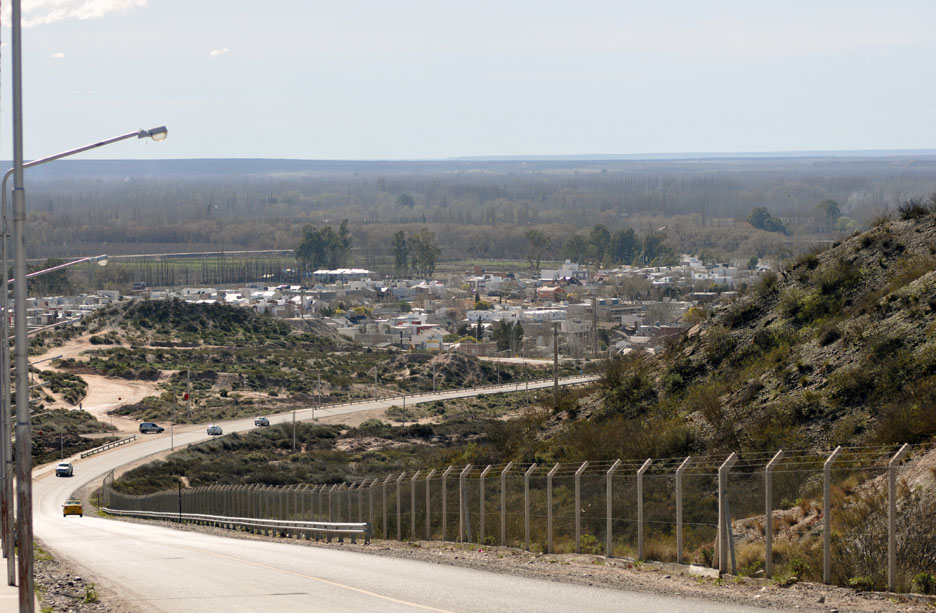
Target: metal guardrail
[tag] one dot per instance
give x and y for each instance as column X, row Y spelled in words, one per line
column 275, row 526
column 110, row 445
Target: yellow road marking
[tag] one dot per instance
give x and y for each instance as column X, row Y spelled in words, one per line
column 327, row 582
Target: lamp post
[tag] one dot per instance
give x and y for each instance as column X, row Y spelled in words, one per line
column 23, row 433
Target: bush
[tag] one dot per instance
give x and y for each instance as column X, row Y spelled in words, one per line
column 925, row 582
column 912, row 208
column 862, row 583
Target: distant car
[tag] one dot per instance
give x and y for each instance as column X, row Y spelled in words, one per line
column 64, row 469
column 148, row 426
column 72, row 506
column 214, row 430
column 261, row 421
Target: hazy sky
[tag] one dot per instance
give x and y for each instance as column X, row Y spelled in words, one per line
column 364, row 79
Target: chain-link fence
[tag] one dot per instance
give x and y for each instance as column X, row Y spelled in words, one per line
column 839, row 516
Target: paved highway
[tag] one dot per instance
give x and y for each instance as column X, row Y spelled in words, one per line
column 163, row 569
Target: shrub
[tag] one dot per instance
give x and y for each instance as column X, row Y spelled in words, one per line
column 912, row 208
column 925, row 582
column 862, row 583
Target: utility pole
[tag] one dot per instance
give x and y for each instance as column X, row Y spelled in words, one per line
column 318, row 394
column 556, row 365
column 24, row 524
column 294, row 430
column 595, row 326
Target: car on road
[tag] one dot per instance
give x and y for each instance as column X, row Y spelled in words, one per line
column 64, row 469
column 72, row 506
column 148, row 426
column 214, row 430
column 261, row 421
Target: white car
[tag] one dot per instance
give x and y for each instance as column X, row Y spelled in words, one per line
column 214, row 430
column 261, row 421
column 64, row 469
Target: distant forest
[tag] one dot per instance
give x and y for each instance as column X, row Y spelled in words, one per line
column 477, row 209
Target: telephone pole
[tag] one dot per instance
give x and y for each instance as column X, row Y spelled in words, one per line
column 556, row 365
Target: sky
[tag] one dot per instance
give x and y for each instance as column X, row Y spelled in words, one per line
column 431, row 79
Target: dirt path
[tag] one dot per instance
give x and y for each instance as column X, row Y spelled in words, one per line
column 104, row 393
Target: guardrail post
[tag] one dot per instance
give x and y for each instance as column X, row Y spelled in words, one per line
column 413, row 504
column 484, row 473
column 768, row 513
column 679, row 509
column 386, row 527
column 640, row 508
column 724, row 525
column 892, row 518
column 399, row 516
column 462, row 504
column 428, row 506
column 827, row 514
column 526, row 505
column 549, row 509
column 444, row 501
column 609, row 501
column 503, row 504
column 578, row 507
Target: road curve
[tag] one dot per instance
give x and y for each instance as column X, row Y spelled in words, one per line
column 163, row 569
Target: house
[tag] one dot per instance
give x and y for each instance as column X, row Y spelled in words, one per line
column 551, row 293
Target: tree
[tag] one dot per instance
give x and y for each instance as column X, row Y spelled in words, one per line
column 537, row 242
column 405, row 200
column 827, row 213
column 424, row 251
column 599, row 239
column 761, row 219
column 624, row 246
column 323, row 247
column 502, row 334
column 575, row 248
column 400, row 254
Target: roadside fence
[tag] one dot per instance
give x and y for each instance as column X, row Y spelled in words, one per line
column 835, row 516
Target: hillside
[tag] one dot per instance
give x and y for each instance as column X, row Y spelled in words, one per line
column 838, row 348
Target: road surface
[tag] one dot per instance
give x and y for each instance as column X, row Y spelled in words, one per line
column 161, row 569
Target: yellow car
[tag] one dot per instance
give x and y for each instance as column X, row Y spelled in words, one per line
column 72, row 506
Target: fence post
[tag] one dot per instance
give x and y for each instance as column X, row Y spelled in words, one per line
column 484, row 473
column 609, row 500
column 768, row 513
column 350, row 487
column 827, row 515
column 428, row 506
column 679, row 509
column 360, row 502
column 526, row 505
column 399, row 516
column 892, row 518
column 370, row 502
column 331, row 505
column 413, row 504
column 578, row 507
column 503, row 504
column 723, row 534
column 640, row 509
column 462, row 504
column 386, row 528
column 321, row 502
column 549, row 511
column 444, row 501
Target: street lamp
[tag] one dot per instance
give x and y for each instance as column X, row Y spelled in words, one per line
column 23, row 430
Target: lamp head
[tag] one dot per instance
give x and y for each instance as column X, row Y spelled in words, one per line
column 157, row 134
column 101, row 260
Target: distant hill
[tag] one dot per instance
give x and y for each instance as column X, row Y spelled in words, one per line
column 218, row 167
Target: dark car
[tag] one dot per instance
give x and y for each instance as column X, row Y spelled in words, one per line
column 148, row 426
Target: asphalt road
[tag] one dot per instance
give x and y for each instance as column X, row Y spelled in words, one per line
column 162, row 569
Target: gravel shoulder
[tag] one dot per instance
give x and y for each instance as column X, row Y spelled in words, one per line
column 616, row 573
